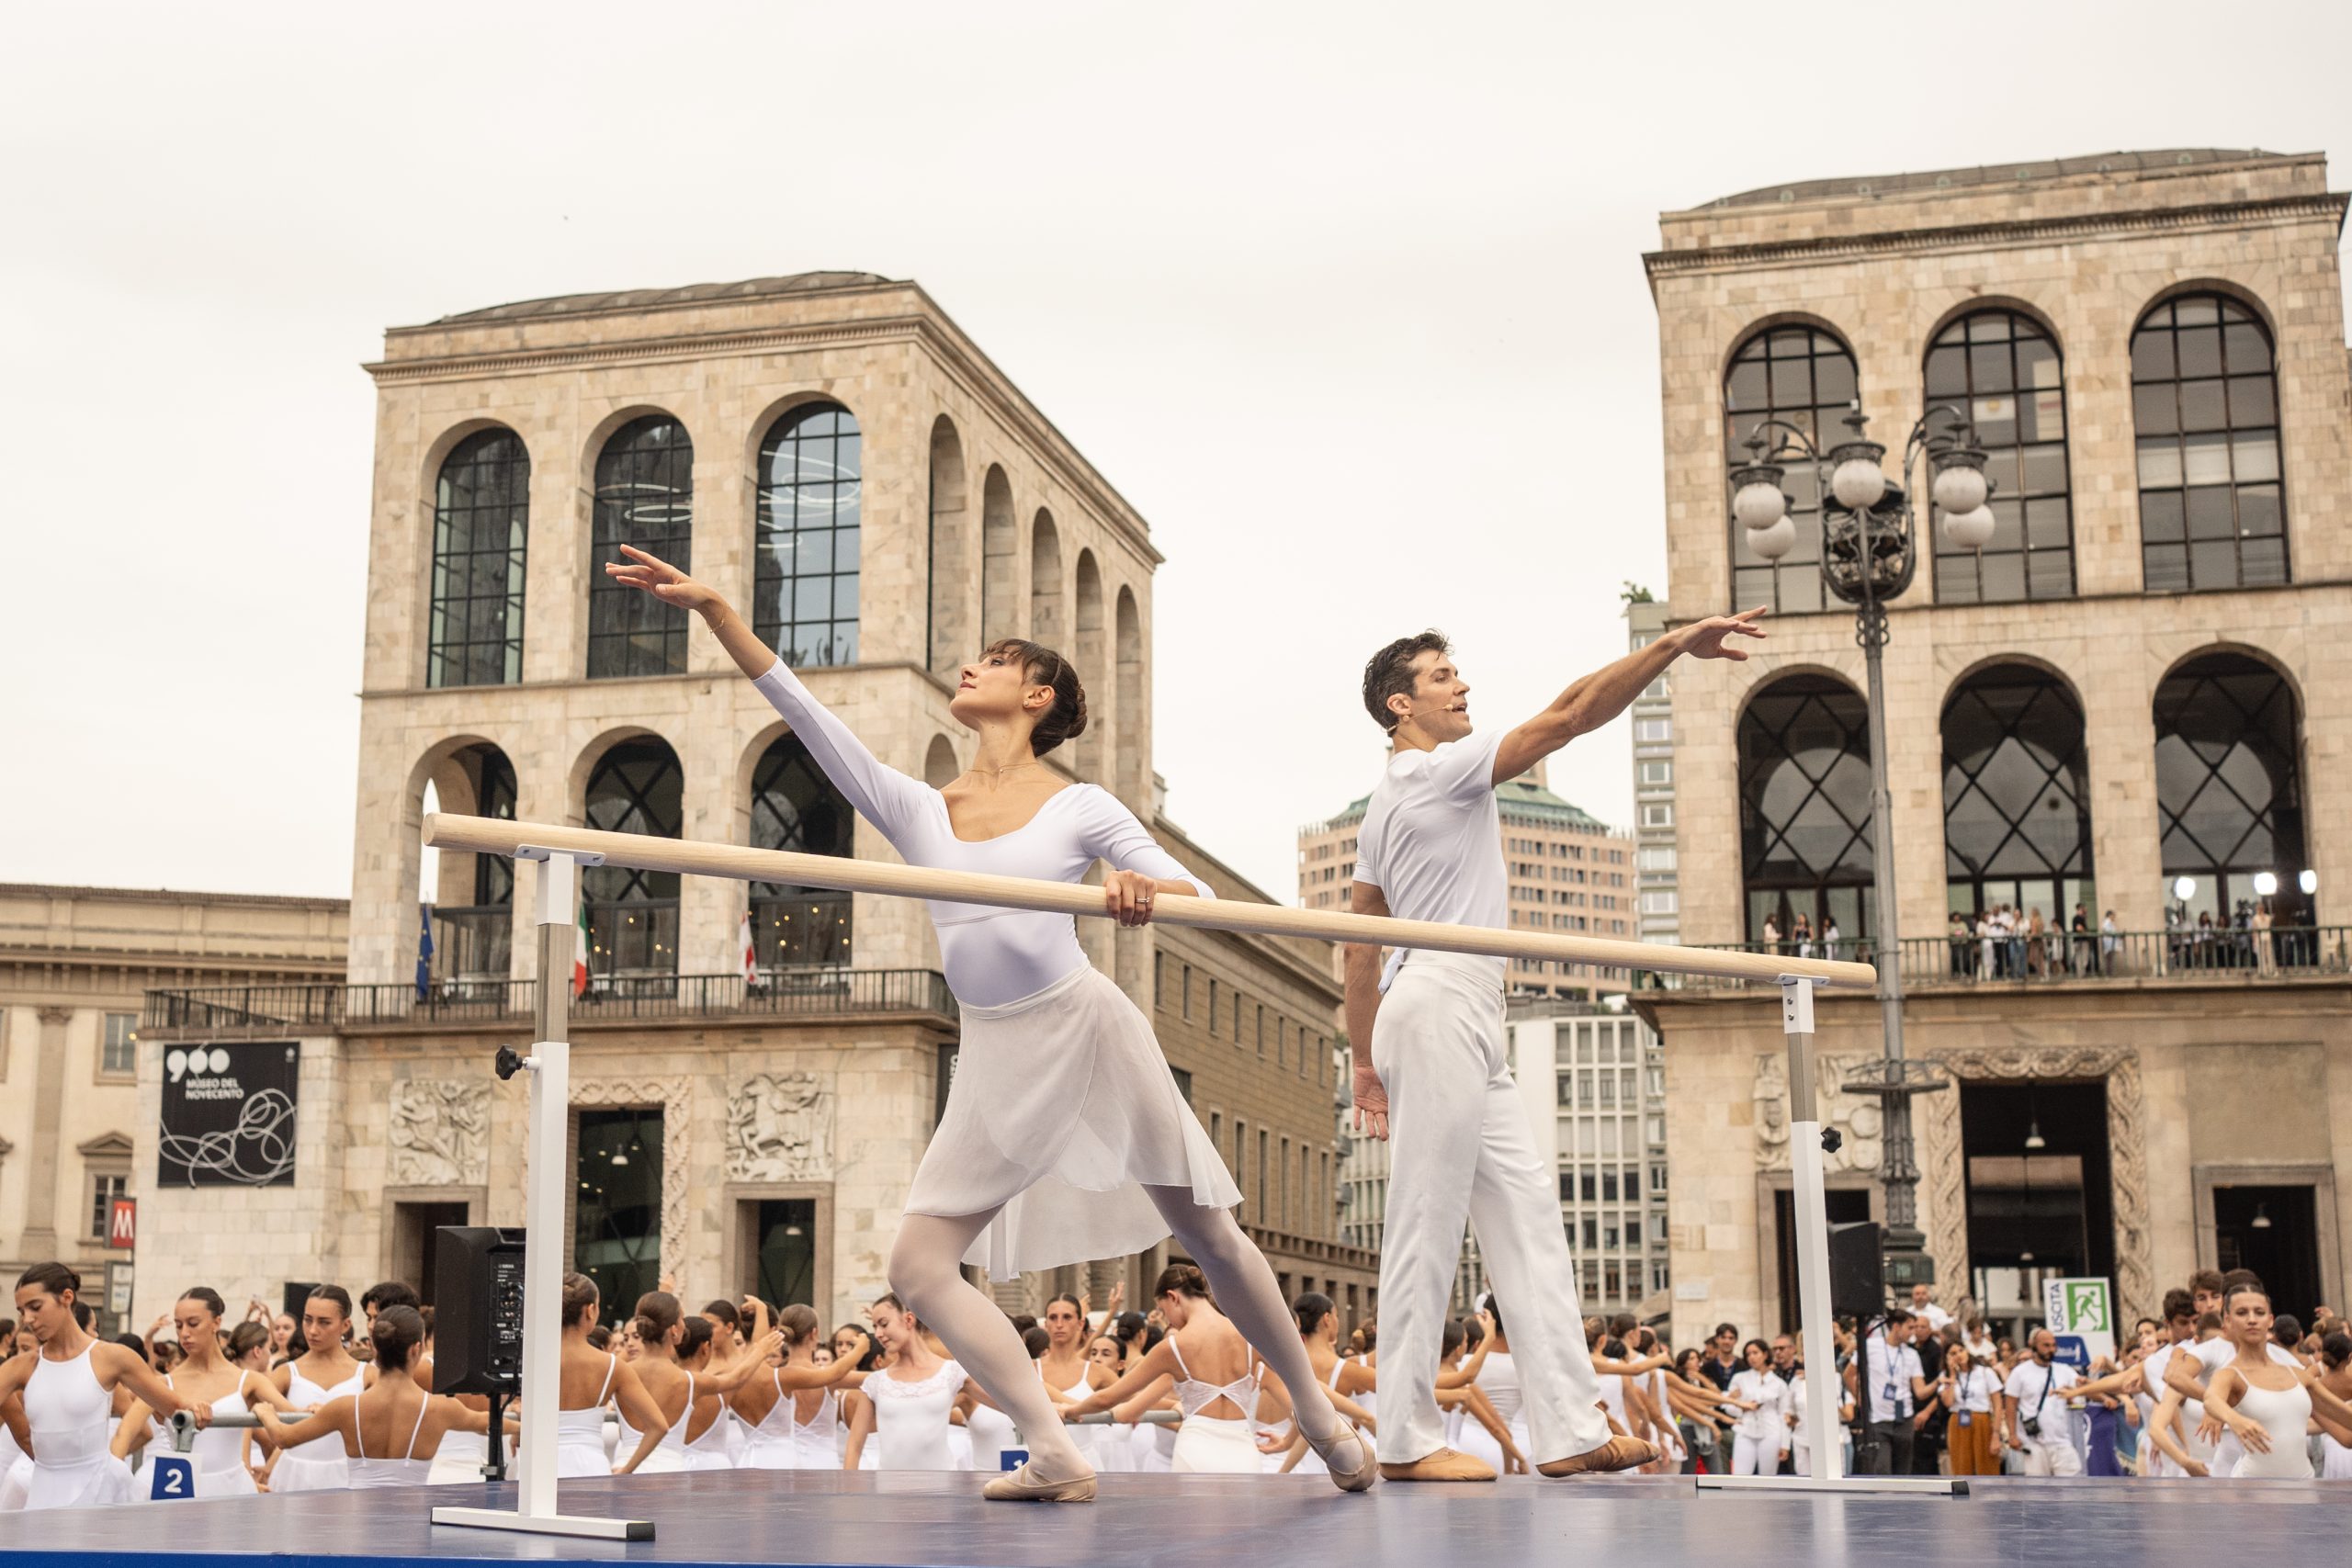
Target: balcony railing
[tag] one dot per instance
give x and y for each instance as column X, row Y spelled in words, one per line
column 2285, row 952
column 610, row 999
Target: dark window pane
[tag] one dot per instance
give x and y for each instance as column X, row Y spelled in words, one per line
column 2251, row 401
column 2004, row 578
column 2210, row 514
column 2198, row 311
column 2161, row 517
column 2215, row 565
column 2258, row 510
column 1947, row 373
column 2044, row 470
column 2263, row 560
column 2152, row 355
column 2247, row 346
column 2046, row 524
column 2201, row 351
column 2164, row 568
column 2154, row 408
column 1833, row 377
column 2202, row 406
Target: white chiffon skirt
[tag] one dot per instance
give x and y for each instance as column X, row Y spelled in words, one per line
column 1208, row 1446
column 1062, row 1111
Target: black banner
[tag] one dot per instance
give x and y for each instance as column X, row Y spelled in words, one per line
column 228, row 1115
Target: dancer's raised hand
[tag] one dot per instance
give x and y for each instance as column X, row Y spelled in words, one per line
column 661, row 580
column 1706, row 640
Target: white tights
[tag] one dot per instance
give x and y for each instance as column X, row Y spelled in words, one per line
column 926, row 1273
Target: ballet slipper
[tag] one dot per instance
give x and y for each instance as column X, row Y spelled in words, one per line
column 1446, row 1465
column 1366, row 1471
column 1617, row 1453
column 1025, row 1486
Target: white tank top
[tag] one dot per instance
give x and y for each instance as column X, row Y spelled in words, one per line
column 2285, row 1414
column 405, row 1471
column 1500, row 1377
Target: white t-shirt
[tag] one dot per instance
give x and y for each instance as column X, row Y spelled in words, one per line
column 2041, row 1392
column 1878, row 1371
column 1431, row 838
column 1936, row 1317
column 1974, row 1390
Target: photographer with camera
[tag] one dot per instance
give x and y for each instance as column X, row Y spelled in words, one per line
column 2040, row 1425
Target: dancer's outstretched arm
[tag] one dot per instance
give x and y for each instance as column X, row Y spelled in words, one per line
column 883, row 795
column 1589, row 703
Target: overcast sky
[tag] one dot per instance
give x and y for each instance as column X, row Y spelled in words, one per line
column 1347, row 299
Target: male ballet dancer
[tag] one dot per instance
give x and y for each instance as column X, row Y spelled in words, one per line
column 1430, row 849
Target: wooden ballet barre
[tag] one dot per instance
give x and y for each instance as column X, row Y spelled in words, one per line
column 484, row 835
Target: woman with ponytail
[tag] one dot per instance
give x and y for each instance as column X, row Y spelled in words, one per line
column 324, row 1371
column 206, row 1376
column 390, row 1431
column 589, row 1379
column 1065, row 1137
column 790, row 1405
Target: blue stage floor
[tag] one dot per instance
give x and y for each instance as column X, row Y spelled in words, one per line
column 921, row 1520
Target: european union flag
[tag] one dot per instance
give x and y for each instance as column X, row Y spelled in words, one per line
column 424, row 952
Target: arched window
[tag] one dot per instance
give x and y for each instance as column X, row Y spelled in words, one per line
column 2017, row 798
column 473, row 894
column 645, row 497
column 806, row 587
column 795, row 807
column 953, row 572
column 2229, row 790
column 1804, row 376
column 1000, row 563
column 2004, row 372
column 1804, row 807
column 636, row 787
column 2205, row 407
column 482, row 515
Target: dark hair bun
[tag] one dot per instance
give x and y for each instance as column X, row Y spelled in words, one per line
column 1065, row 719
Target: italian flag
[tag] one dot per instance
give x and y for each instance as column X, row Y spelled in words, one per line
column 580, row 956
column 750, row 954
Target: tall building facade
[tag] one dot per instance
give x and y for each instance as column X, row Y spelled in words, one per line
column 1567, row 871
column 75, row 964
column 1657, row 899
column 2128, row 702
column 834, row 455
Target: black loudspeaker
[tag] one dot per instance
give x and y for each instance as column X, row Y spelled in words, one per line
column 298, row 1296
column 1858, row 1269
column 477, row 1310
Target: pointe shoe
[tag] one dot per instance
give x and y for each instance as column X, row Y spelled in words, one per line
column 1364, row 1471
column 1025, row 1486
column 1617, row 1453
column 1445, row 1464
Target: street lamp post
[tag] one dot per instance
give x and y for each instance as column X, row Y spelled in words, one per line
column 1868, row 558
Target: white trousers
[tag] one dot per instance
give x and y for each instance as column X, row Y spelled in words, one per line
column 1754, row 1455
column 1460, row 1149
column 2054, row 1458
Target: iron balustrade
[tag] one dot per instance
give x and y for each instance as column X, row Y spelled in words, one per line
column 818, row 992
column 2185, row 953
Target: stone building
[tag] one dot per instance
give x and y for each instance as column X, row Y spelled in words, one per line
column 831, row 451
column 1657, row 899
column 75, row 963
column 2136, row 699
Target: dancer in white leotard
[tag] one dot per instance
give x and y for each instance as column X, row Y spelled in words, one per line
column 206, row 1374
column 1065, row 1137
column 390, row 1431
column 323, row 1372
column 1431, row 848
column 907, row 1402
column 68, row 1391
column 2268, row 1408
column 661, row 1325
column 589, row 1379
column 1212, row 1371
column 786, row 1402
column 1067, row 1371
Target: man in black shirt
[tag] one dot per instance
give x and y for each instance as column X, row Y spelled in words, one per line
column 1723, row 1361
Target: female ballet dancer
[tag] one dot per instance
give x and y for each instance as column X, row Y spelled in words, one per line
column 388, row 1431
column 205, row 1376
column 1213, row 1371
column 2268, row 1407
column 690, row 1404
column 1065, row 1137
column 1761, row 1398
column 588, row 1381
column 907, row 1402
column 68, row 1391
column 324, row 1371
column 790, row 1405
column 1067, row 1371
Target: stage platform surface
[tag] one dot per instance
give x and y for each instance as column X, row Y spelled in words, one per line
column 934, row 1520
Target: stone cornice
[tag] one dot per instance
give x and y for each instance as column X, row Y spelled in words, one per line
column 1981, row 236
column 957, row 353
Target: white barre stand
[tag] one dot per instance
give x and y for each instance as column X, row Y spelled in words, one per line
column 1822, row 1381
column 550, row 1065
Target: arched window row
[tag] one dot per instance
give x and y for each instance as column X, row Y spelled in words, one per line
column 2205, row 416
column 2018, row 838
column 806, row 549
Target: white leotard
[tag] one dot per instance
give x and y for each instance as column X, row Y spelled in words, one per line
column 911, row 1418
column 816, row 1442
column 1082, row 1437
column 406, row 1471
column 72, row 1419
column 712, row 1450
column 579, row 1434
column 219, row 1451
column 2285, row 1414
column 772, row 1444
column 320, row 1465
column 668, row 1455
column 991, row 956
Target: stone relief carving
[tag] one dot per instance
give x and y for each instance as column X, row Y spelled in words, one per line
column 675, row 1097
column 1944, row 1171
column 439, row 1134
column 1860, row 1121
column 780, row 1128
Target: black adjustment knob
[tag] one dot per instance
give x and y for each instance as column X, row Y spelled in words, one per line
column 1832, row 1140
column 508, row 1062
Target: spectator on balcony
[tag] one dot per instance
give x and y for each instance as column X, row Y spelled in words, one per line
column 1958, row 937
column 1802, row 935
column 2109, row 941
column 1771, row 935
column 2085, row 953
column 1829, row 937
column 2265, row 958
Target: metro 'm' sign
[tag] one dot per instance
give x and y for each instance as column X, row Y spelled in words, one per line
column 122, row 1223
